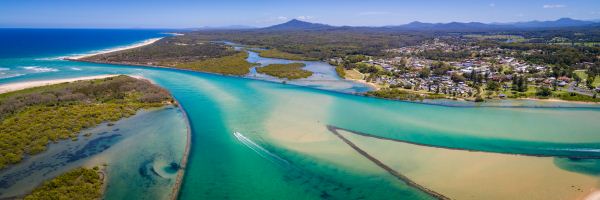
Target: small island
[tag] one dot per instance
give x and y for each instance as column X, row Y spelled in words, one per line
column 80, row 183
column 289, row 71
column 32, row 118
column 235, row 64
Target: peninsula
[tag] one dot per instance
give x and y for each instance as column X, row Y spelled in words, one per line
column 32, row 118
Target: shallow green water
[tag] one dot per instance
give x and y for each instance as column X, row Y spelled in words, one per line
column 286, row 151
column 137, row 152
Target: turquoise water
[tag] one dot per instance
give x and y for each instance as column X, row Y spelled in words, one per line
column 137, row 150
column 284, row 150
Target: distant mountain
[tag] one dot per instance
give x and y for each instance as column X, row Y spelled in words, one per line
column 470, row 26
column 452, row 26
column 299, row 25
column 563, row 22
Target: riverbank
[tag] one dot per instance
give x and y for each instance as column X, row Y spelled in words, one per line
column 30, row 84
column 133, row 46
column 183, row 163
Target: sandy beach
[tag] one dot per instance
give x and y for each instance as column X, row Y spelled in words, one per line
column 29, row 84
column 136, row 45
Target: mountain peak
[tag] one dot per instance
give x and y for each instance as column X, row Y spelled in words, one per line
column 296, row 24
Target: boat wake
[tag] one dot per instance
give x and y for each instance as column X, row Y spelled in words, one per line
column 260, row 150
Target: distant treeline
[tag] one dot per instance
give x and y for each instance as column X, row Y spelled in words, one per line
column 319, row 44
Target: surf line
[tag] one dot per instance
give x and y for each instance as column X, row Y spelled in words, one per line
column 385, row 167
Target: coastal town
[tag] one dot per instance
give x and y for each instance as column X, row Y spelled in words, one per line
column 483, row 73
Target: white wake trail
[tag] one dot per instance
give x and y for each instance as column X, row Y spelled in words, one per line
column 260, row 150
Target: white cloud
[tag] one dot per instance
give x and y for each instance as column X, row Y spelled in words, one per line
column 552, row 6
column 492, row 5
column 282, row 18
column 305, row 17
column 374, row 13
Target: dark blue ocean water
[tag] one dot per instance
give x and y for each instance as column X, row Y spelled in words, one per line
column 21, row 43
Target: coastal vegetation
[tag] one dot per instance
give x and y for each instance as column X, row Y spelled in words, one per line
column 341, row 72
column 319, row 45
column 169, row 51
column 32, row 118
column 80, row 184
column 289, row 71
column 402, row 94
column 274, row 53
column 182, row 52
column 235, row 64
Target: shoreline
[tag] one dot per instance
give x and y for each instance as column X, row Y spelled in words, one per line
column 183, row 163
column 11, row 87
column 339, row 92
column 385, row 167
column 111, row 50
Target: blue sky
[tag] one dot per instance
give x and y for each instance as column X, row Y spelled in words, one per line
column 197, row 13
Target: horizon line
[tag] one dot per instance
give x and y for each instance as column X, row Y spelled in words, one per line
column 283, row 22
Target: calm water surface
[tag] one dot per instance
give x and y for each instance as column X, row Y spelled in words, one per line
column 253, row 139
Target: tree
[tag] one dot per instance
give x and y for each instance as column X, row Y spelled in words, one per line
column 425, row 73
column 544, row 91
column 577, row 79
column 519, row 84
column 493, row 86
column 590, row 82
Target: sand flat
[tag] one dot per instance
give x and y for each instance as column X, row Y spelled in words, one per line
column 30, row 84
column 478, row 175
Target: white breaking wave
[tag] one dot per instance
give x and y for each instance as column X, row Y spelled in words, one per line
column 40, row 69
column 76, row 68
column 4, row 69
column 53, row 58
column 2, row 75
column 260, row 150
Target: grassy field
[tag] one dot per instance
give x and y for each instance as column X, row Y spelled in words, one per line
column 80, row 183
column 584, row 76
column 353, row 74
column 289, row 71
column 274, row 53
column 32, row 118
column 532, row 92
column 229, row 65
